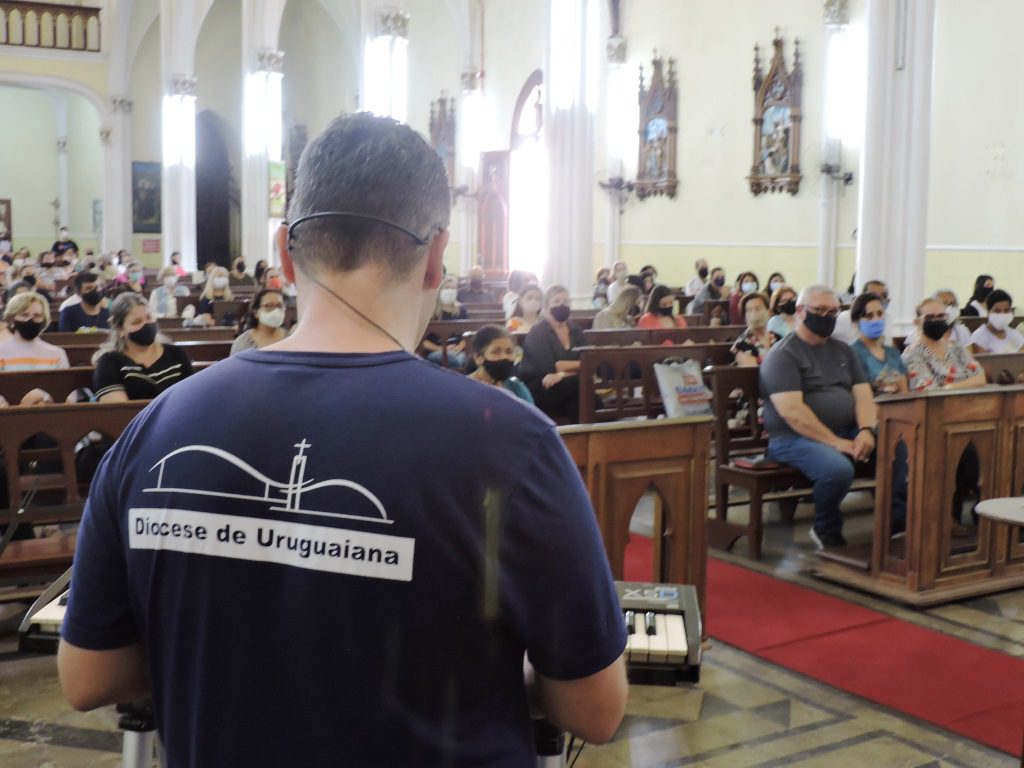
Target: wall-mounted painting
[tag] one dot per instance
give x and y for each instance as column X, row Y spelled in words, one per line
column 659, row 123
column 146, row 198
column 777, row 118
column 5, row 219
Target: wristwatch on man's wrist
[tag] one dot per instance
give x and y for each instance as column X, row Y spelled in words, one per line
column 873, row 430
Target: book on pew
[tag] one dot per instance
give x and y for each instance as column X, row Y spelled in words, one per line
column 755, row 462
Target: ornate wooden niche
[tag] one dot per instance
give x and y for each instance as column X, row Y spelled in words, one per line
column 659, row 124
column 442, row 133
column 777, row 117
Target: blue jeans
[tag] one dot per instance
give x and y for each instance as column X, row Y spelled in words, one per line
column 831, row 475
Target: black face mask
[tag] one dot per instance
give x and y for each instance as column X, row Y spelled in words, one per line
column 788, row 307
column 145, row 336
column 980, row 294
column 560, row 313
column 719, row 281
column 934, row 329
column 30, row 280
column 93, row 297
column 476, row 285
column 28, row 329
column 499, row 370
column 820, row 326
column 240, row 266
column 667, row 311
column 703, row 273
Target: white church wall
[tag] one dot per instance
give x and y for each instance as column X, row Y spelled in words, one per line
column 85, row 168
column 147, row 98
column 28, row 165
column 977, row 166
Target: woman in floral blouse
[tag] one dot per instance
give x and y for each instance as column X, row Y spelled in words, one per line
column 933, row 361
column 755, row 341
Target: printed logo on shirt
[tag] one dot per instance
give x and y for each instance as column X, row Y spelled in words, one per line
column 282, row 541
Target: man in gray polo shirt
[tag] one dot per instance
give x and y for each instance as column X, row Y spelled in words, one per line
column 819, row 409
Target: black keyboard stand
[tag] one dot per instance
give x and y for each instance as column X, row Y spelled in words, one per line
column 136, row 720
column 549, row 742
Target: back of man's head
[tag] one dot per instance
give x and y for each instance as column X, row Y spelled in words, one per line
column 377, row 167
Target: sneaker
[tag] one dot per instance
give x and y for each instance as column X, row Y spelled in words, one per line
column 827, row 540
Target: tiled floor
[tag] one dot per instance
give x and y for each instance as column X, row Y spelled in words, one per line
column 745, row 713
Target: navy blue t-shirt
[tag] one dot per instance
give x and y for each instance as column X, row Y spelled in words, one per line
column 340, row 559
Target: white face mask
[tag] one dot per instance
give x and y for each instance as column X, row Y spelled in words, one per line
column 775, row 285
column 748, row 286
column 170, row 282
column 531, row 306
column 448, row 295
column 952, row 314
column 1000, row 320
column 620, row 274
column 220, row 282
column 272, row 318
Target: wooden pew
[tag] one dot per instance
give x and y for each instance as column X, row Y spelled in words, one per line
column 465, row 329
column 974, row 323
column 57, row 382
column 616, row 368
column 697, row 335
column 175, row 334
column 1003, row 369
column 622, row 461
column 198, row 351
column 930, row 566
column 57, row 496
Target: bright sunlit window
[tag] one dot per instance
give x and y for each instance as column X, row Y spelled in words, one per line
column 179, row 130
column 385, row 76
column 847, row 85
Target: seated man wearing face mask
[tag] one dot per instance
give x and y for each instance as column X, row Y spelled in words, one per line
column 89, row 314
column 819, row 409
column 474, row 293
column 402, row 535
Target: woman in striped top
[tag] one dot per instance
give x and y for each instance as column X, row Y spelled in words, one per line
column 136, row 362
column 27, row 315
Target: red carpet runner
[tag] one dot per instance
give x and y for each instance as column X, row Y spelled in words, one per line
column 950, row 683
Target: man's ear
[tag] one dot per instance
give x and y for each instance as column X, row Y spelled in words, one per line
column 287, row 265
column 435, row 260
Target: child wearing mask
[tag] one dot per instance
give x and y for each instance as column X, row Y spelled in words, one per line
column 996, row 336
column 527, row 310
column 494, row 354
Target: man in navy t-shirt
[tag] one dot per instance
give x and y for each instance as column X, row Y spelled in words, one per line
column 331, row 552
column 88, row 313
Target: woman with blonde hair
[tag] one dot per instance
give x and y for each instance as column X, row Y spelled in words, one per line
column 136, row 362
column 27, row 315
column 619, row 314
column 162, row 298
column 216, row 289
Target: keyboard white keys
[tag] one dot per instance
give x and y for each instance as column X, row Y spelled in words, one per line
column 675, row 632
column 51, row 616
column 659, row 641
column 637, row 643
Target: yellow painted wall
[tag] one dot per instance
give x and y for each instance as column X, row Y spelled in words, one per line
column 87, row 71
column 147, row 97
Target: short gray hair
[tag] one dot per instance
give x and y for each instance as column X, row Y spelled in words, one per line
column 374, row 166
column 814, row 290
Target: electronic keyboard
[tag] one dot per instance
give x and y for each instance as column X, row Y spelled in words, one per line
column 663, row 629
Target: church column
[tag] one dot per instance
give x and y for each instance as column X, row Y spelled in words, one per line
column 262, row 116
column 892, row 229
column 178, row 202
column 620, row 91
column 115, row 138
column 571, row 74
column 837, row 17
column 60, row 113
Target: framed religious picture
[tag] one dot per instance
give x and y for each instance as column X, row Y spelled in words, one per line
column 777, row 118
column 659, row 124
column 442, row 133
column 146, row 198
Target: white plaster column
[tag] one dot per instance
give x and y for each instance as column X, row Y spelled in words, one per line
column 892, row 229
column 180, row 21
column 178, row 201
column 571, row 71
column 60, row 115
column 262, row 128
column 837, row 17
column 616, row 145
column 116, row 142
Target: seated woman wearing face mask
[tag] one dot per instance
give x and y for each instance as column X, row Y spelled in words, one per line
column 934, row 361
column 882, row 363
column 216, row 289
column 526, row 312
column 494, row 353
column 661, row 310
column 27, row 315
column 136, row 363
column 996, row 337
column 162, row 298
column 551, row 358
column 263, row 323
column 783, row 309
column 755, row 341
